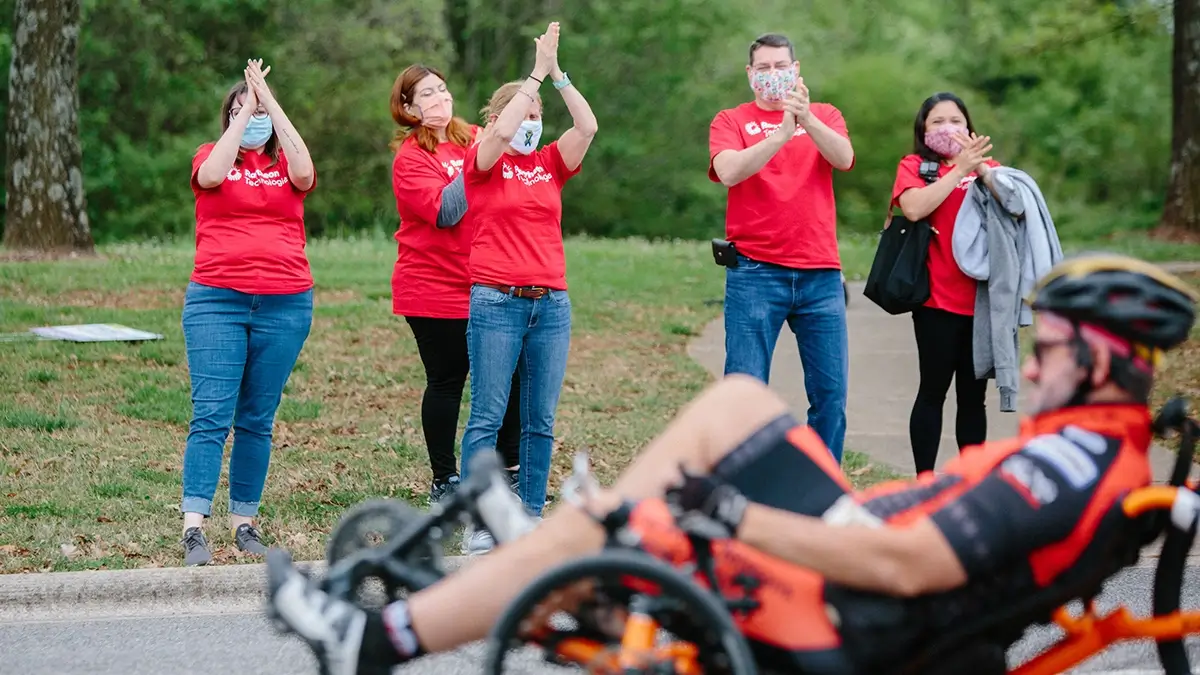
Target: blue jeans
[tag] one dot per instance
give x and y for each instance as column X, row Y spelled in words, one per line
column 507, row 333
column 240, row 351
column 759, row 298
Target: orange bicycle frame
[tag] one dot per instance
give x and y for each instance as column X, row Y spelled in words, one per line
column 1090, row 634
column 1086, row 635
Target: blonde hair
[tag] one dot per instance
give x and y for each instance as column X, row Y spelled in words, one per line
column 503, row 96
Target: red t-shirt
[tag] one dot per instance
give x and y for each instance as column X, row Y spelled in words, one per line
column 430, row 277
column 250, row 229
column 949, row 288
column 784, row 214
column 516, row 211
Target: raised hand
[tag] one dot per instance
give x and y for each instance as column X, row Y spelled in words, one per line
column 546, row 55
column 250, row 103
column 795, row 109
column 974, row 151
column 256, row 80
column 799, row 97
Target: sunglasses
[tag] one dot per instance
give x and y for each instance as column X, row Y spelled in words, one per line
column 1040, row 347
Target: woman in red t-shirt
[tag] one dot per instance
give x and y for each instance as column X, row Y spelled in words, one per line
column 248, row 306
column 430, row 286
column 520, row 314
column 943, row 133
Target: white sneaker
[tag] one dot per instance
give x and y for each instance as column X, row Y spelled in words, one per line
column 477, row 541
column 332, row 628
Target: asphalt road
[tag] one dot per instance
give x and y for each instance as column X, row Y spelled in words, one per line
column 207, row 640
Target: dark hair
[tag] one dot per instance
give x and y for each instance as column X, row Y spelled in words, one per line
column 919, row 147
column 458, row 131
column 271, row 148
column 772, row 40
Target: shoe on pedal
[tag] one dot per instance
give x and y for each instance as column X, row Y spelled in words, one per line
column 332, row 628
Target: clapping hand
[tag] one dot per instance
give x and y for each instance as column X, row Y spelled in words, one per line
column 546, row 56
column 797, row 102
column 974, row 153
column 256, row 81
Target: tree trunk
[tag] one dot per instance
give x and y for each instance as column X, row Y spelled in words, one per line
column 1182, row 208
column 46, row 208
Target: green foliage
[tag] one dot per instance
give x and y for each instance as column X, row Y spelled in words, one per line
column 1075, row 92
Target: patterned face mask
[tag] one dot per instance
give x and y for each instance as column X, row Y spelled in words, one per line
column 773, row 85
column 941, row 140
column 526, row 139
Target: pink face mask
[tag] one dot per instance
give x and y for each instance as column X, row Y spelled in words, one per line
column 941, row 140
column 437, row 115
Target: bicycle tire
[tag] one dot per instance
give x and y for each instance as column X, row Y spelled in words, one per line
column 1168, row 594
column 349, row 536
column 610, row 564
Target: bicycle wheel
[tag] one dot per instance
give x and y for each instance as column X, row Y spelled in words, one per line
column 369, row 525
column 698, row 614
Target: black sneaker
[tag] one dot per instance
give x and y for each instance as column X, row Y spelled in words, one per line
column 443, row 489
column 195, row 548
column 332, row 628
column 248, row 539
column 514, row 482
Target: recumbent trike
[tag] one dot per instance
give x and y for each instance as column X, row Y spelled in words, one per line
column 623, row 599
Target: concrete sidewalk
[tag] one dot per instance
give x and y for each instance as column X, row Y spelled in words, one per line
column 883, row 384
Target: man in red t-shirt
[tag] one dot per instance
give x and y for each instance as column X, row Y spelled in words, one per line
column 776, row 154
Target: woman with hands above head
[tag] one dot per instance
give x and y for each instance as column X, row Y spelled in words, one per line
column 944, row 138
column 520, row 313
column 248, row 306
column 430, row 285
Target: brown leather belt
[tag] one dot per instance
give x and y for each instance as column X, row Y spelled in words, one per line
column 531, row 292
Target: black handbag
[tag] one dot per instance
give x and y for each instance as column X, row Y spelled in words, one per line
column 899, row 278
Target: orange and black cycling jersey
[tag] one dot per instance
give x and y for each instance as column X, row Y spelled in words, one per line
column 1018, row 513
column 1035, row 500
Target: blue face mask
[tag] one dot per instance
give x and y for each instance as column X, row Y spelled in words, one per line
column 258, row 131
column 526, row 139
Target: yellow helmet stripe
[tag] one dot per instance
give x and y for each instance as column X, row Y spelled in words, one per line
column 1082, row 266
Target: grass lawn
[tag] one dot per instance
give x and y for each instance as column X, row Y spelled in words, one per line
column 92, row 435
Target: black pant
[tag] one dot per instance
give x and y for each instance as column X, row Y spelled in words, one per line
column 944, row 351
column 442, row 344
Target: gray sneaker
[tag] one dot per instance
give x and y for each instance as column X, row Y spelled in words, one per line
column 195, row 548
column 477, row 541
column 249, row 540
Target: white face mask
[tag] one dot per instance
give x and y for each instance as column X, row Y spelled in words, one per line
column 526, row 139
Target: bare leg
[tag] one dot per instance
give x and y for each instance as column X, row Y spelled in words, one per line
column 706, row 430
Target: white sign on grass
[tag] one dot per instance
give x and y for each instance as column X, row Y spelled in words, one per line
column 94, row 332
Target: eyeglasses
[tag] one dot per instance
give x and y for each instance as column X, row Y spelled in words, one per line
column 258, row 112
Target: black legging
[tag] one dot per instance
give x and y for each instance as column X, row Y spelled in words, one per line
column 944, row 352
column 442, row 344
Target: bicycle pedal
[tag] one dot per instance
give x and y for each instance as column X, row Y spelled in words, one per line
column 581, row 484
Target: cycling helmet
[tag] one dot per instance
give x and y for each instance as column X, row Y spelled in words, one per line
column 1127, row 297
